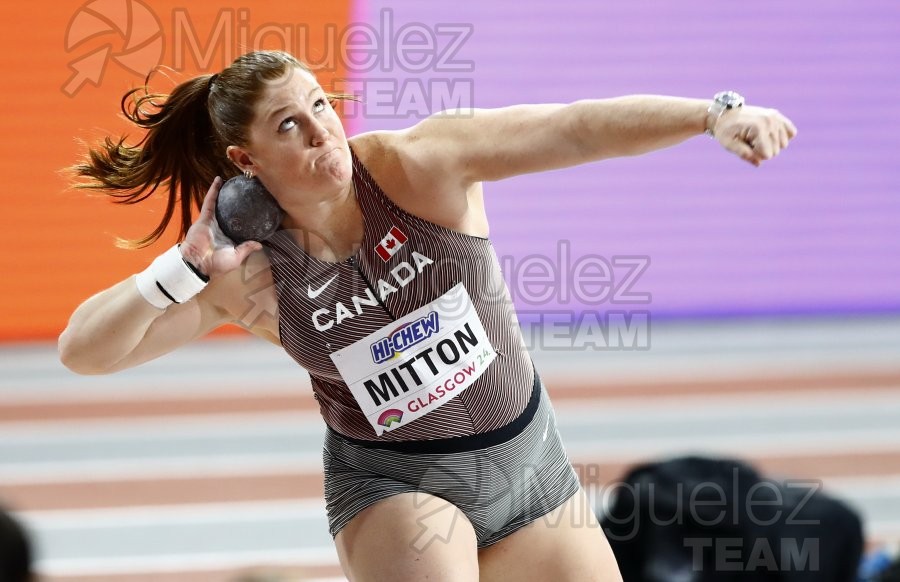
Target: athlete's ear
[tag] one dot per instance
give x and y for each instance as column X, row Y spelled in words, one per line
column 241, row 158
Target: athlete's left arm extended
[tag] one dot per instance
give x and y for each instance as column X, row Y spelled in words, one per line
column 491, row 144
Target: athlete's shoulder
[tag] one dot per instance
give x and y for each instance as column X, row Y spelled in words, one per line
column 397, row 163
column 378, row 150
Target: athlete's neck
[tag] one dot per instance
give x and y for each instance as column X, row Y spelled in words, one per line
column 329, row 230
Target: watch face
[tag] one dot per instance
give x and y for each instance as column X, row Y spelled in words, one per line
column 730, row 99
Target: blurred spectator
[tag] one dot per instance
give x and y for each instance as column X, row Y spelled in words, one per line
column 15, row 551
column 693, row 519
column 890, row 574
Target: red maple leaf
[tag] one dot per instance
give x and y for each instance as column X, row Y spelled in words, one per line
column 390, row 243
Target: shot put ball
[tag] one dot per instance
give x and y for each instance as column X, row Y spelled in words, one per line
column 245, row 210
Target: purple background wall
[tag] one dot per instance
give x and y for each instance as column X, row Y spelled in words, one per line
column 815, row 230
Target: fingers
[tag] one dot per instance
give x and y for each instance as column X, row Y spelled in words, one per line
column 219, row 238
column 780, row 133
column 246, row 248
column 775, row 142
column 758, row 134
column 784, row 130
column 783, row 137
column 742, row 149
column 208, row 209
column 790, row 128
column 228, row 259
column 761, row 144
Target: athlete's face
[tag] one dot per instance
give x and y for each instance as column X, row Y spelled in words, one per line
column 296, row 140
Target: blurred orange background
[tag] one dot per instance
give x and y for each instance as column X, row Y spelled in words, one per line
column 65, row 69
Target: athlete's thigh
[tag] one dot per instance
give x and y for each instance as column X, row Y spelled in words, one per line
column 409, row 536
column 566, row 544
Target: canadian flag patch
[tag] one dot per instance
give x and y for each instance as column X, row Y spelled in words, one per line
column 390, row 244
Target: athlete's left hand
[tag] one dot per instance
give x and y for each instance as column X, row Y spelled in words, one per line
column 755, row 134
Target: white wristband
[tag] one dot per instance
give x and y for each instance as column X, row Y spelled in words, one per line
column 169, row 279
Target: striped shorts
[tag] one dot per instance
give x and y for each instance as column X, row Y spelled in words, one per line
column 501, row 480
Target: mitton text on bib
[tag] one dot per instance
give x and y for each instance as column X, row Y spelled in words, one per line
column 418, row 363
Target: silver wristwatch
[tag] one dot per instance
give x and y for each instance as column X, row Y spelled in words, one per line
column 722, row 102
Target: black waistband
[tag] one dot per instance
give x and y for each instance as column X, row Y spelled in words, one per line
column 460, row 443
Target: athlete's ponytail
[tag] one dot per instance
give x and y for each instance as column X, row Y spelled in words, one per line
column 178, row 150
column 187, row 133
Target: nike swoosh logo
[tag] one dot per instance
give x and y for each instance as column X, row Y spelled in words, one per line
column 313, row 293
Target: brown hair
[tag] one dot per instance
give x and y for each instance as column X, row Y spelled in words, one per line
column 187, row 133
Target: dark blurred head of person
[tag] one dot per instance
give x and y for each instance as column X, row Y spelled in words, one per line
column 15, row 550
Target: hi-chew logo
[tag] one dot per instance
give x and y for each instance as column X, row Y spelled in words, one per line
column 390, row 416
column 405, row 337
column 390, row 244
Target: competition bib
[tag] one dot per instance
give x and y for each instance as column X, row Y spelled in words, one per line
column 418, row 363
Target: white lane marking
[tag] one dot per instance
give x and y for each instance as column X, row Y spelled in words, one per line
column 620, row 410
column 864, row 485
column 317, row 556
column 759, row 444
column 857, row 488
column 706, row 407
column 164, row 427
column 191, row 513
column 623, row 448
column 308, row 508
column 626, row 409
column 161, row 468
column 164, row 388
